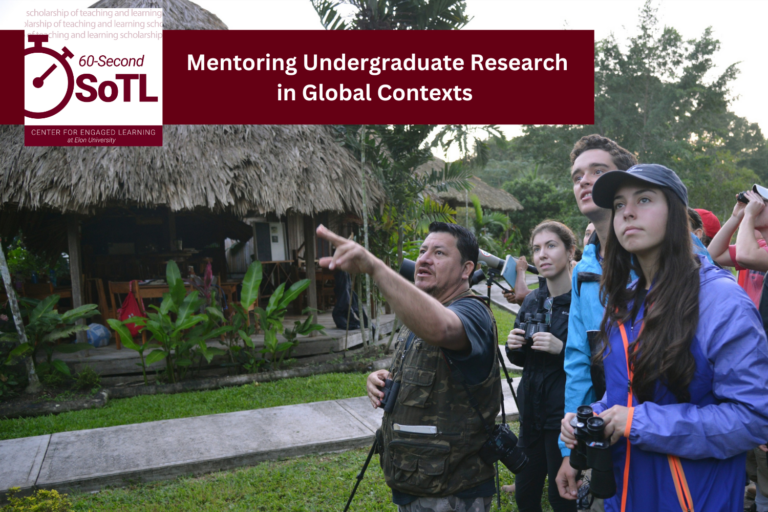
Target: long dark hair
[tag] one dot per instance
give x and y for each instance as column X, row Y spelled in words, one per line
column 672, row 306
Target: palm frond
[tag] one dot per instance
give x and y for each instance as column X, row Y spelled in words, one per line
column 454, row 175
column 497, row 220
column 433, row 211
column 329, row 15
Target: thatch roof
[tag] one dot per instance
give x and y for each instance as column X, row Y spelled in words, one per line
column 177, row 14
column 490, row 198
column 237, row 169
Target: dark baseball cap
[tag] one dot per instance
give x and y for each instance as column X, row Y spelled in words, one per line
column 605, row 188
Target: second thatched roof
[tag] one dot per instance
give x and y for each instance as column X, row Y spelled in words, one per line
column 490, row 198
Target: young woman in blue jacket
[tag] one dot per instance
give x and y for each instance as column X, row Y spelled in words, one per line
column 685, row 356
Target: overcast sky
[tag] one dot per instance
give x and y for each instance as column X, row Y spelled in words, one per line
column 738, row 24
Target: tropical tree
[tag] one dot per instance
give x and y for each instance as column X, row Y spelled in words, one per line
column 541, row 200
column 661, row 97
column 392, row 14
column 394, row 153
column 488, row 226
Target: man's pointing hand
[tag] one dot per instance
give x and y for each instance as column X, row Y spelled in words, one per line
column 349, row 256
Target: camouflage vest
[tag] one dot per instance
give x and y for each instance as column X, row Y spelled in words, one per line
column 447, row 462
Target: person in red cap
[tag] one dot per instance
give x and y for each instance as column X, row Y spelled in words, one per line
column 711, row 225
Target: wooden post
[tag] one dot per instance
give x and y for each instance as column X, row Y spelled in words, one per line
column 73, row 237
column 171, row 230
column 365, row 238
column 309, row 256
column 255, row 246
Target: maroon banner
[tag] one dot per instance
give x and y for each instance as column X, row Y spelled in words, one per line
column 12, row 71
column 378, row 77
column 93, row 135
column 356, row 77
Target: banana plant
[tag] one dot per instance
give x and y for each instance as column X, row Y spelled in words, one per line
column 175, row 329
column 127, row 341
column 242, row 328
column 271, row 321
column 291, row 335
column 45, row 328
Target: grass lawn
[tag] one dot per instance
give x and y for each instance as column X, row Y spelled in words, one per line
column 142, row 409
column 311, row 483
column 183, row 405
column 505, row 322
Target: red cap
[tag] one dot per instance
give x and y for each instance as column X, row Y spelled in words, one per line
column 711, row 224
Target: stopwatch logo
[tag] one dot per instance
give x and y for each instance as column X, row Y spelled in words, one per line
column 39, row 82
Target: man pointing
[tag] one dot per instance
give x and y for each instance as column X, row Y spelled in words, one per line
column 430, row 440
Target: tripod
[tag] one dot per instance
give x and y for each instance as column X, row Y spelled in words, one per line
column 361, row 474
column 492, row 279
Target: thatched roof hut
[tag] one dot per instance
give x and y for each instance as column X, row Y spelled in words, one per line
column 177, row 14
column 490, row 198
column 234, row 169
column 213, row 176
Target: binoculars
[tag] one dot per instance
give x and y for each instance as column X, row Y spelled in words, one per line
column 533, row 323
column 593, row 451
column 758, row 189
column 530, row 323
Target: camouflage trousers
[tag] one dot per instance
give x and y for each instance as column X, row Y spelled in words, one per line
column 448, row 504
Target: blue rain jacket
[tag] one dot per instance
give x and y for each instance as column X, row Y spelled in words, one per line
column 586, row 315
column 727, row 414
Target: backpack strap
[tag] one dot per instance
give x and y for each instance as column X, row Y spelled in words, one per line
column 586, row 277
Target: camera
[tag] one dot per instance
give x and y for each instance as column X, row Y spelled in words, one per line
column 593, row 451
column 502, row 446
column 391, row 389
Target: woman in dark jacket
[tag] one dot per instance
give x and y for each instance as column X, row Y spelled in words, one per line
column 541, row 395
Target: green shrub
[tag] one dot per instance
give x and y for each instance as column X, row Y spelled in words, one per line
column 87, row 378
column 46, row 329
column 9, row 386
column 41, row 501
column 52, row 378
column 12, row 378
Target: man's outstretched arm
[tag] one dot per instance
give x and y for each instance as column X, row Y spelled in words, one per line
column 421, row 313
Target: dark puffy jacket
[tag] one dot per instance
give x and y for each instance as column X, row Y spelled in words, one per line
column 541, row 395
